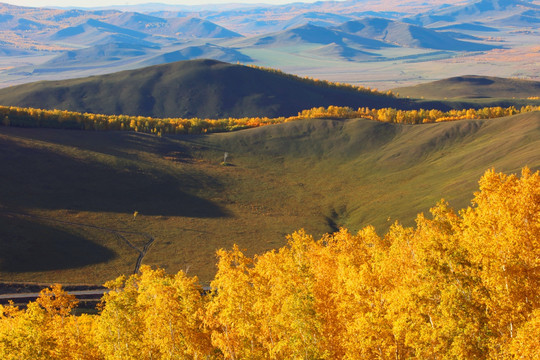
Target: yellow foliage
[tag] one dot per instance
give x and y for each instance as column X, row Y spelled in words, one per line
column 458, row 285
column 28, row 117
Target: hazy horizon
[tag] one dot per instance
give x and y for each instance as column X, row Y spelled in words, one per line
column 108, row 3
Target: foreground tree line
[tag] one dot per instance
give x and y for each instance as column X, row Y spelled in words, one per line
column 458, row 285
column 63, row 119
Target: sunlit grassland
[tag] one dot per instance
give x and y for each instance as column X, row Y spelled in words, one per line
column 313, row 174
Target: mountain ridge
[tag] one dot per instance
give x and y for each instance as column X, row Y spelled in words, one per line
column 194, row 88
column 473, row 86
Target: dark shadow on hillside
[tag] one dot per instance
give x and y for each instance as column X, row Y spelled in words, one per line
column 38, row 178
column 121, row 144
column 27, row 246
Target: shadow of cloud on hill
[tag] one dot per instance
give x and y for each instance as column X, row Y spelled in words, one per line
column 39, row 178
column 48, row 248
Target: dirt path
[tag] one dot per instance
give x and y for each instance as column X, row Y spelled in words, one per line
column 120, row 233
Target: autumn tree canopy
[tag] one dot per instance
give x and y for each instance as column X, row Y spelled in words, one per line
column 62, row 119
column 458, row 285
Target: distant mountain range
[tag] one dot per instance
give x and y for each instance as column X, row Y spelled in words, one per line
column 184, row 27
column 484, row 11
column 105, row 40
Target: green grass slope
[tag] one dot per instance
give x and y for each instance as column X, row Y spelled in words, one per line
column 66, row 193
column 196, row 88
column 471, row 86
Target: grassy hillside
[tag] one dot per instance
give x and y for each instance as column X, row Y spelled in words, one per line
column 206, row 51
column 213, row 89
column 471, row 86
column 403, row 34
column 312, row 34
column 62, row 191
column 197, row 88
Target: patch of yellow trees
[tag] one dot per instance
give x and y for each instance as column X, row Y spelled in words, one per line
column 458, row 285
column 63, row 119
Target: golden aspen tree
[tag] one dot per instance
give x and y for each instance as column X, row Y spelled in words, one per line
column 23, row 333
column 524, row 345
column 301, row 336
column 443, row 293
column 286, row 280
column 47, row 329
column 268, row 293
column 501, row 232
column 229, row 313
column 80, row 343
column 172, row 309
column 68, row 334
column 56, row 301
column 398, row 266
column 360, row 292
column 120, row 326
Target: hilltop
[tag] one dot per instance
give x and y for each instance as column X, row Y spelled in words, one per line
column 195, row 88
column 472, row 86
column 403, row 34
column 213, row 89
column 358, row 42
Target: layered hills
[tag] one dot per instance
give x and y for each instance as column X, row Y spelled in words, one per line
column 195, row 88
column 183, row 27
column 213, row 89
column 313, row 34
column 487, row 11
column 346, row 41
column 206, row 51
column 403, row 34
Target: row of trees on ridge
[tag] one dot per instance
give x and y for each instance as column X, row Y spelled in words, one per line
column 63, row 119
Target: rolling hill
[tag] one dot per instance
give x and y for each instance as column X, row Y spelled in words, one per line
column 196, row 88
column 312, row 34
column 206, row 51
column 321, row 19
column 403, row 34
column 66, row 192
column 529, row 19
column 9, row 50
column 474, row 27
column 300, row 38
column 338, row 51
column 184, row 27
column 98, row 54
column 98, row 32
column 471, row 86
column 482, row 11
